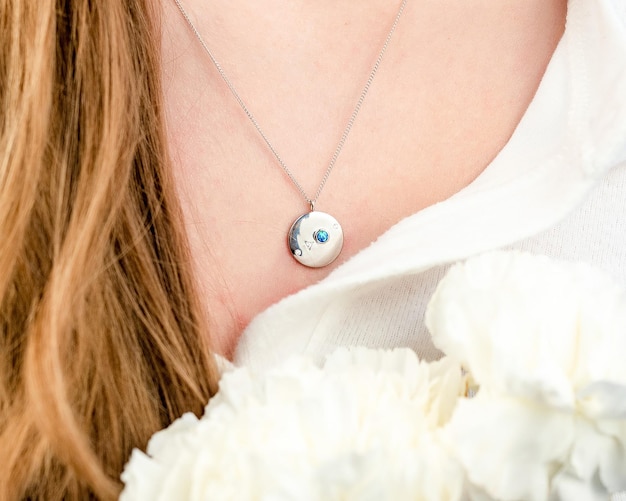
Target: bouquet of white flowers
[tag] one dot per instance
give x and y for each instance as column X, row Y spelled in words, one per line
column 540, row 342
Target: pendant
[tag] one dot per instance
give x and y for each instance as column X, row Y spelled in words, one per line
column 315, row 239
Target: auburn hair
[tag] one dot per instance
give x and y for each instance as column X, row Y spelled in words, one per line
column 102, row 339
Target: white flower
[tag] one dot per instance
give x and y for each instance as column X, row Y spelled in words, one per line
column 366, row 426
column 546, row 342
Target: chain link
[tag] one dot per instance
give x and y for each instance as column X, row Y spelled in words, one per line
column 348, row 128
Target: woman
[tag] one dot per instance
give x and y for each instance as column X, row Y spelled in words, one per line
column 483, row 126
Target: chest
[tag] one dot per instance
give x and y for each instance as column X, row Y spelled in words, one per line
column 446, row 98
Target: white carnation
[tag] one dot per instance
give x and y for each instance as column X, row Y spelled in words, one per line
column 545, row 341
column 367, row 426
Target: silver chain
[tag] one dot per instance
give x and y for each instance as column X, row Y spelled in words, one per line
column 346, row 132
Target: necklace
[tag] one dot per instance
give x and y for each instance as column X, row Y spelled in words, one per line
column 315, row 238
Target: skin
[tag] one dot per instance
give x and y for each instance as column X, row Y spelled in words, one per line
column 456, row 80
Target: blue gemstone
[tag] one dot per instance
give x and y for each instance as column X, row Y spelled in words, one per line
column 321, row 236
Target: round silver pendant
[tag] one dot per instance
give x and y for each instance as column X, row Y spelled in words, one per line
column 315, row 239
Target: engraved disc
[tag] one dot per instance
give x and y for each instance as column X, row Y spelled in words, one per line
column 315, row 239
